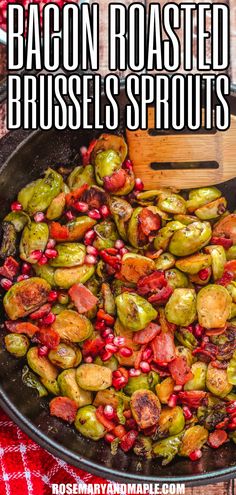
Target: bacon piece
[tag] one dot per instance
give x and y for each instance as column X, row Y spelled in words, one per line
column 149, row 222
column 64, row 408
column 83, row 298
column 116, row 181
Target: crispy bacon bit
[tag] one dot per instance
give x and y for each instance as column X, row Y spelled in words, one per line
column 10, row 268
column 94, row 197
column 64, row 408
column 83, row 298
column 128, row 440
column 73, row 196
column 151, row 283
column 161, row 296
column 116, row 181
column 93, row 347
column 48, row 337
column 217, row 438
column 148, row 334
column 163, row 348
column 192, row 398
column 222, row 241
column 87, row 154
column 180, row 371
column 58, row 232
column 149, row 222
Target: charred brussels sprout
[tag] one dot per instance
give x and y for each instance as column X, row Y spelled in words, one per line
column 38, row 195
column 194, row 438
column 134, row 312
column 190, row 239
column 145, row 407
column 69, row 254
column 65, row 356
column 80, row 176
column 121, row 211
column 106, row 235
column 72, row 326
column 134, row 266
column 34, row 237
column 110, row 142
column 25, row 297
column 8, row 244
column 217, row 381
column 17, row 344
column 93, row 377
column 213, row 306
column 171, row 421
column 167, row 448
column 70, row 388
column 87, row 424
column 193, row 264
column 181, row 307
column 32, row 381
column 18, row 218
column 186, row 338
column 165, row 389
column 143, row 447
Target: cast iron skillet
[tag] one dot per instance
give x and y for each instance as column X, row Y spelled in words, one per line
column 23, row 157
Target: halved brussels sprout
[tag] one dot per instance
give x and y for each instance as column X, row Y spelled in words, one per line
column 134, row 311
column 231, row 253
column 217, row 381
column 32, row 381
column 171, row 421
column 181, row 307
column 193, row 264
column 218, row 258
column 80, row 176
column 16, row 344
column 79, row 226
column 106, row 163
column 38, row 195
column 66, row 277
column 212, row 210
column 185, row 337
column 185, row 353
column 106, row 397
column 69, row 254
column 111, row 363
column 145, row 407
column 213, row 306
column 190, row 239
column 198, row 382
column 164, row 235
column 231, row 370
column 25, row 297
column 165, row 389
column 8, row 244
column 202, row 196
column 110, row 142
column 176, row 279
column 134, row 266
column 46, row 272
column 143, row 447
column 172, row 203
column 108, row 299
column 72, row 326
column 70, row 388
column 34, row 237
column 165, row 261
column 194, row 438
column 56, row 207
column 140, row 382
column 106, row 235
column 133, row 231
column 231, row 288
column 167, row 448
column 185, row 219
column 87, row 423
column 65, row 356
column 18, row 218
column 121, row 211
column 93, row 377
column 41, row 365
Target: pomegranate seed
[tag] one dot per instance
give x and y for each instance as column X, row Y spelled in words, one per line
column 90, row 259
column 123, row 251
column 172, row 400
column 43, row 351
column 109, row 412
column 69, row 215
column 178, row 388
column 94, row 214
column 204, row 274
column 49, row 319
column 145, row 367
column 43, row 260
column 138, row 185
column 81, row 206
column 133, row 372
column 147, row 353
column 119, row 383
column 51, row 253
column 100, row 325
column 187, row 412
column 51, row 244
column 127, row 165
column 107, row 331
column 36, row 255
column 16, row 206
column 89, row 237
column 119, row 244
column 6, row 283
column 26, row 268
column 111, row 347
column 39, row 217
column 131, row 424
column 106, row 355
column 104, row 210
column 88, row 359
column 92, row 250
column 109, row 437
column 52, row 296
column 195, row 455
column 119, row 341
column 109, row 339
column 22, row 277
column 125, row 352
column 198, row 330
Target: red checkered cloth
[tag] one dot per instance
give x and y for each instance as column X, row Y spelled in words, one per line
column 27, row 469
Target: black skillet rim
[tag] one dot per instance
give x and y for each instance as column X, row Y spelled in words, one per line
column 68, row 456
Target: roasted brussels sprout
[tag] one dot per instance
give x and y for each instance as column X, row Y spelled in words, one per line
column 111, row 363
column 217, row 381
column 202, row 196
column 165, row 389
column 79, row 226
column 121, row 211
column 143, row 447
column 231, row 253
column 72, row 326
column 190, row 239
column 69, row 254
column 140, row 382
column 186, row 338
column 66, row 277
column 194, row 438
column 198, row 382
column 70, row 388
column 176, row 279
column 34, row 237
column 164, row 235
column 106, row 235
column 56, row 207
column 193, row 264
column 106, row 163
column 18, row 218
column 17, row 344
column 172, row 203
column 8, row 245
column 80, row 176
column 88, row 425
column 218, row 258
column 145, row 407
column 134, row 311
column 93, row 377
column 38, row 195
column 110, row 142
column 213, row 306
column 167, row 448
column 226, row 227
column 41, row 365
column 134, row 266
column 231, row 370
column 32, row 381
column 25, row 297
column 212, row 210
column 65, row 356
column 181, row 307
column 165, row 261
column 46, row 272
column 171, row 421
